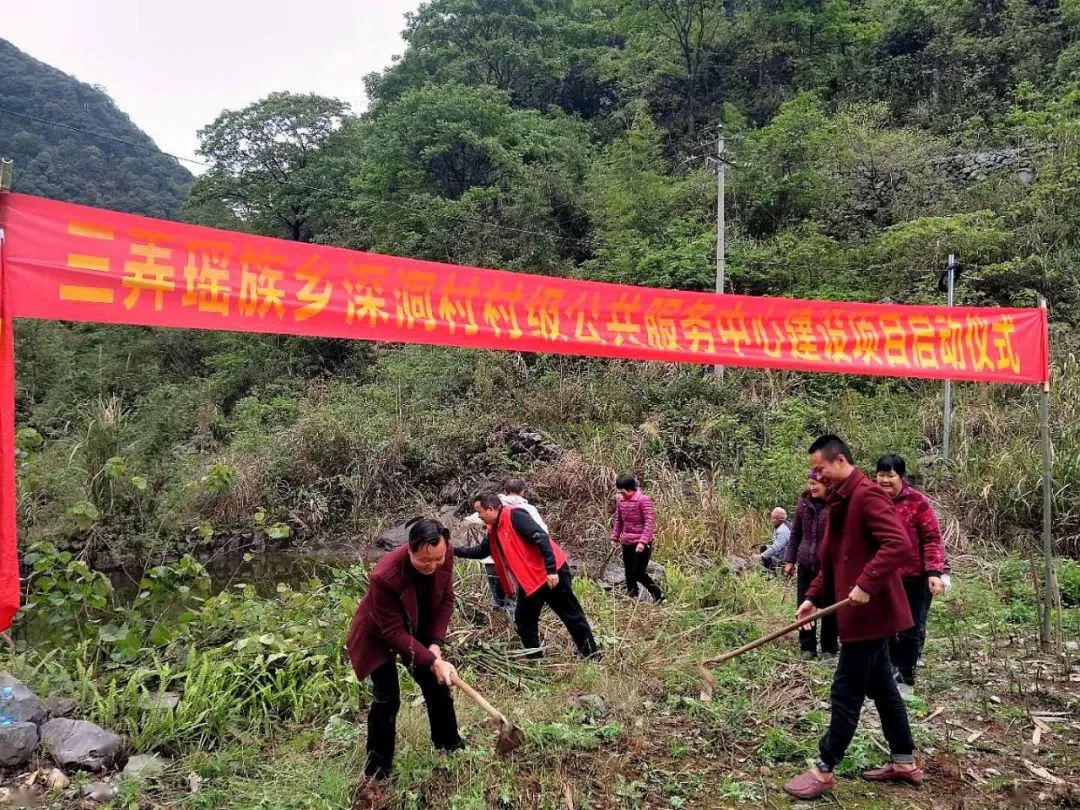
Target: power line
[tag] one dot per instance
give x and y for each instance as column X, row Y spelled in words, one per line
column 105, row 136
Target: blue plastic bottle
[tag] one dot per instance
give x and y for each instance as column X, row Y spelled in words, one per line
column 7, row 706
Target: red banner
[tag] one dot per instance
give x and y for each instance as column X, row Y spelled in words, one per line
column 84, row 264
column 9, row 554
column 63, row 261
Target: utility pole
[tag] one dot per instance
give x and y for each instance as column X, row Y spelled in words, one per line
column 947, row 419
column 721, row 165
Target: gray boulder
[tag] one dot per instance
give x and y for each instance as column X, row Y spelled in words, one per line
column 615, row 577
column 393, row 537
column 58, row 706
column 17, row 743
column 736, row 564
column 24, row 705
column 80, row 744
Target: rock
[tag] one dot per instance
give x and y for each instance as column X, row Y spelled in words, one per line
column 99, row 791
column 58, row 706
column 530, row 442
column 737, row 565
column 160, row 701
column 615, row 577
column 143, row 766
column 80, row 744
column 17, row 743
column 25, row 705
column 57, row 780
column 394, row 537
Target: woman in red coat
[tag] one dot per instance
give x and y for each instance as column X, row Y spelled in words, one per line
column 405, row 613
column 923, row 574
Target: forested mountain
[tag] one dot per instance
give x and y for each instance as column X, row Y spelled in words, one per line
column 69, row 165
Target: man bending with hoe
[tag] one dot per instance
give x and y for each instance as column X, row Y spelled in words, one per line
column 524, row 554
column 405, row 613
column 865, row 548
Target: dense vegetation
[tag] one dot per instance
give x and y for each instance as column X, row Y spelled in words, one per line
column 118, row 168
column 867, row 140
column 573, row 138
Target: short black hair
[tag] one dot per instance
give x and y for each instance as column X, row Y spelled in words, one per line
column 830, row 446
column 488, row 500
column 514, row 486
column 890, row 462
column 627, row 482
column 426, row 532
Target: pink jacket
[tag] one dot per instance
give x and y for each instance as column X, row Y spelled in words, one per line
column 634, row 521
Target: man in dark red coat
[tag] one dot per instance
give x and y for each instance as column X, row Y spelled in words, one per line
column 405, row 613
column 865, row 547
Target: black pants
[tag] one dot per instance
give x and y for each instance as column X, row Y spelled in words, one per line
column 382, row 716
column 636, row 565
column 499, row 598
column 804, row 575
column 906, row 647
column 561, row 599
column 863, row 670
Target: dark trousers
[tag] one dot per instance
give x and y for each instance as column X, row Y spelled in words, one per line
column 499, row 598
column 804, row 575
column 863, row 670
column 636, row 565
column 560, row 599
column 906, row 647
column 382, row 716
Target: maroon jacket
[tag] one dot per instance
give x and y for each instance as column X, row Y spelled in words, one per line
column 385, row 622
column 865, row 544
column 924, row 532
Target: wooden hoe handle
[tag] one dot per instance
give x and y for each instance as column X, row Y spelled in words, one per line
column 753, row 645
column 481, row 701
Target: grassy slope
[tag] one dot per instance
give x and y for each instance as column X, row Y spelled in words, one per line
column 650, row 742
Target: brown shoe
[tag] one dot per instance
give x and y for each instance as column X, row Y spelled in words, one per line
column 808, row 786
column 890, row 773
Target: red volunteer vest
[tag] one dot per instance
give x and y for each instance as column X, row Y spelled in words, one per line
column 518, row 560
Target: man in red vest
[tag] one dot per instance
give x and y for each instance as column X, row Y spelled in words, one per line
column 532, row 564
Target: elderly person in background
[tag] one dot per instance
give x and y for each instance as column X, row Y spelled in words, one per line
column 772, row 555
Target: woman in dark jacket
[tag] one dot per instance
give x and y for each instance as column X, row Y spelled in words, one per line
column 807, row 532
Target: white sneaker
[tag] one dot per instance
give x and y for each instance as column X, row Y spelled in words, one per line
column 907, row 691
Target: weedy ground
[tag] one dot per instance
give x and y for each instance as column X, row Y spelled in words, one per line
column 271, row 716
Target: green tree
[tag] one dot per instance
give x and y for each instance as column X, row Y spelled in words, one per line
column 455, row 172
column 269, row 165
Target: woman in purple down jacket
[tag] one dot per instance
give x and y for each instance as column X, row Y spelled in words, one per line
column 807, row 534
column 633, row 529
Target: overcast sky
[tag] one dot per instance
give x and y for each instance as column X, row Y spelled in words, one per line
column 173, row 66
